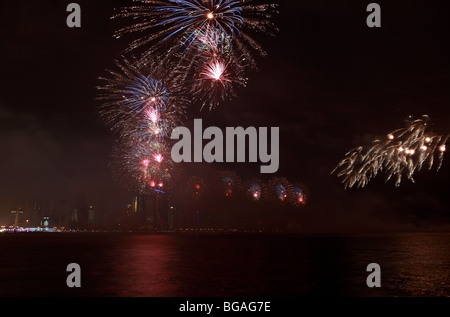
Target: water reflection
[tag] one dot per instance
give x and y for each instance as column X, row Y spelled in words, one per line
column 145, row 265
column 150, row 265
column 421, row 265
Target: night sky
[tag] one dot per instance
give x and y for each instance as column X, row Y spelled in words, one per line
column 329, row 82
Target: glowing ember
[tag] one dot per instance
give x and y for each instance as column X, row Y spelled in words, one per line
column 146, row 163
column 158, row 158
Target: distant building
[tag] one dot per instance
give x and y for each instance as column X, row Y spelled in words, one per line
column 91, row 217
column 45, row 222
column 16, row 218
column 148, row 211
column 80, row 214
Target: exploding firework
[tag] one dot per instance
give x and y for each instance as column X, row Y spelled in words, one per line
column 142, row 167
column 216, row 80
column 139, row 106
column 195, row 187
column 144, row 164
column 254, row 190
column 208, row 43
column 197, row 25
column 280, row 188
column 142, row 105
column 402, row 153
column 230, row 183
column 207, row 40
column 299, row 195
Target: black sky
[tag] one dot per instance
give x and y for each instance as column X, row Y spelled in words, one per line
column 329, row 82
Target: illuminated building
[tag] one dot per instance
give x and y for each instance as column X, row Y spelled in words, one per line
column 91, row 216
column 45, row 222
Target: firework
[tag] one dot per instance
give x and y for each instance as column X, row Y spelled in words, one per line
column 279, row 188
column 195, row 187
column 254, row 190
column 402, row 153
column 142, row 103
column 216, row 80
column 230, row 183
column 207, row 40
column 143, row 166
column 197, row 25
column 299, row 195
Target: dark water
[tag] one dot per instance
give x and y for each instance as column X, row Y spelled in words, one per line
column 172, row 265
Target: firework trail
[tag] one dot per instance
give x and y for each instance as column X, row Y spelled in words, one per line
column 402, row 153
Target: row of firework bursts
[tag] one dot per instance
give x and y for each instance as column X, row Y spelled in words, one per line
column 187, row 54
column 229, row 185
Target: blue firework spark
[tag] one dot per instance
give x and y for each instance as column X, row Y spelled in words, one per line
column 143, row 93
column 140, row 103
column 193, row 24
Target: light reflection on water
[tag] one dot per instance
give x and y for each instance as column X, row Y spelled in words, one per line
column 172, row 265
column 426, row 265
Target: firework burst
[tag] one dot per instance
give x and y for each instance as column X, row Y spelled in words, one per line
column 217, row 80
column 142, row 167
column 279, row 189
column 195, row 187
column 196, row 25
column 142, row 103
column 299, row 195
column 230, row 183
column 402, row 153
column 209, row 41
column 254, row 190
